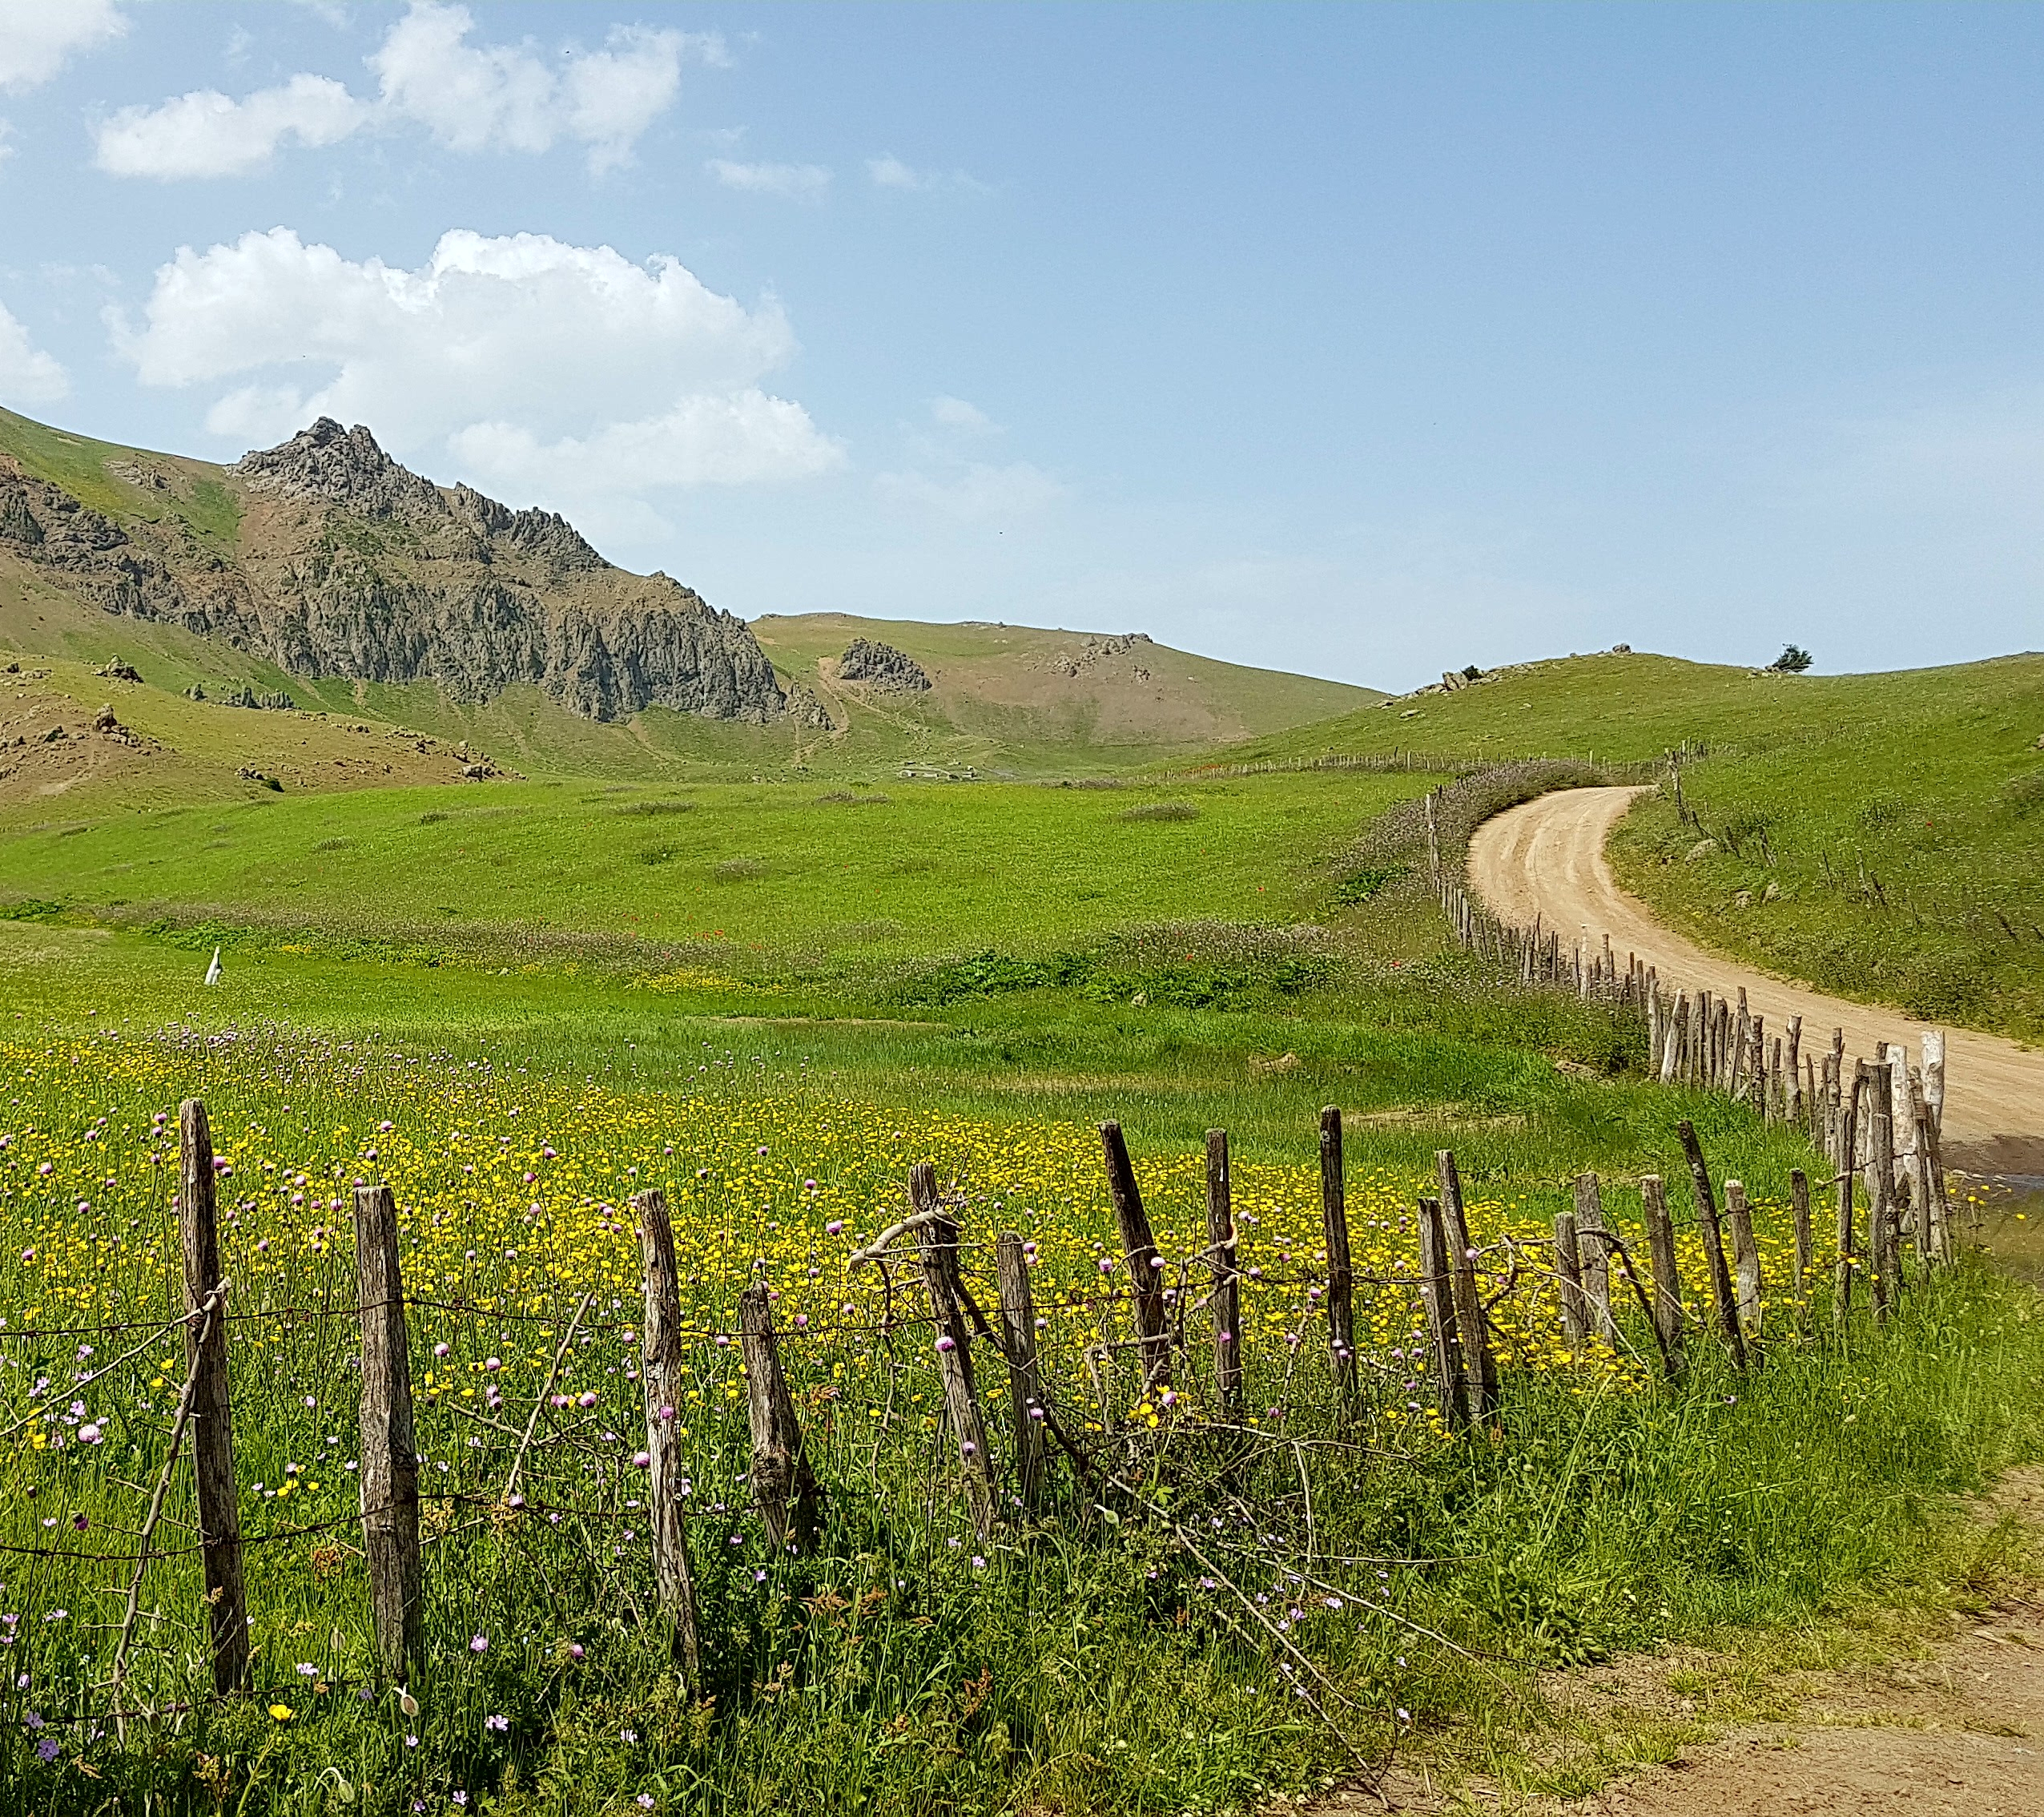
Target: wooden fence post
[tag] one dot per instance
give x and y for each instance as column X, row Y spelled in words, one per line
column 1568, row 1270
column 390, row 1449
column 660, row 1379
column 212, row 1419
column 1792, row 1108
column 783, row 1485
column 1479, row 1366
column 1227, row 1288
column 1846, row 1134
column 936, row 1242
column 1341, row 1269
column 1882, row 1235
column 1728, row 1311
column 1746, row 1254
column 1437, row 1294
column 1669, row 1316
column 1799, row 1203
column 1025, row 1388
column 1144, row 1264
column 1595, row 1253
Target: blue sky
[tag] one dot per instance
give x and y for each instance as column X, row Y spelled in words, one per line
column 1365, row 341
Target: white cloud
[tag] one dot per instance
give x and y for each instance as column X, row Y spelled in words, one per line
column 978, row 493
column 475, row 98
column 744, row 438
column 206, row 135
column 956, row 413
column 27, row 374
column 889, row 172
column 471, row 97
column 555, row 370
column 37, row 36
column 805, row 183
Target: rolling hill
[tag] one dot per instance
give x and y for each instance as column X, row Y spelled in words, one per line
column 324, row 577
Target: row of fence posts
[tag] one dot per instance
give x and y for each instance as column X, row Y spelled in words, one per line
column 785, row 1489
column 1705, row 1041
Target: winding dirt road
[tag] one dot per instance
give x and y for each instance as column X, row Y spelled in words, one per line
column 1546, row 858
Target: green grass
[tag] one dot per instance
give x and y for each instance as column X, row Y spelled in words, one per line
column 997, row 967
column 1093, row 1663
column 752, row 869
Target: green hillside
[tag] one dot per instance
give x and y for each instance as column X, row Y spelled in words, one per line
column 1882, row 836
column 1004, row 699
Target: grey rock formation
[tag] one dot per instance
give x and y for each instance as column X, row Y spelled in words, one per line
column 881, row 666
column 349, row 564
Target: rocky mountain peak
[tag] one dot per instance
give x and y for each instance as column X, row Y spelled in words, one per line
column 881, row 666
column 328, row 464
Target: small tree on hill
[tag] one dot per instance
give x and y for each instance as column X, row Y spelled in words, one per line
column 1793, row 661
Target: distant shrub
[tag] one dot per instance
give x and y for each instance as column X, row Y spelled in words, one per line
column 1360, row 885
column 1791, row 662
column 989, row 974
column 1161, row 811
column 2025, row 791
column 335, row 845
column 652, row 810
column 739, row 870
column 431, row 820
column 30, row 908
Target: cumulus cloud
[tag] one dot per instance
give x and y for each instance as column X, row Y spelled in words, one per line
column 977, row 492
column 889, row 172
column 475, row 98
column 38, row 37
column 27, row 374
column 805, row 183
column 205, row 134
column 540, row 367
column 954, row 413
column 471, row 97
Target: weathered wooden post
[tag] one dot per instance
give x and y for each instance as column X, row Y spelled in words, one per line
column 1340, row 1270
column 660, row 1380
column 1746, row 1254
column 1799, row 1204
column 936, row 1242
column 1436, row 1294
column 1728, row 1311
column 1479, row 1366
column 1668, row 1317
column 1025, row 1387
column 1883, row 1237
column 1846, row 1135
column 390, row 1450
column 1595, row 1252
column 1568, row 1272
column 783, row 1485
column 1227, row 1287
column 1794, row 1108
column 1145, row 1265
column 212, row 1419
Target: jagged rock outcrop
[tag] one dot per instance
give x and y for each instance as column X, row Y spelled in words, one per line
column 349, row 564
column 881, row 666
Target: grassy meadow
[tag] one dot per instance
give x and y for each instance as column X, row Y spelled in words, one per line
column 520, row 1002
column 1882, row 836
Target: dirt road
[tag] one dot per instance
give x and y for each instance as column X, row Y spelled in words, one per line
column 1955, row 1728
column 1547, row 858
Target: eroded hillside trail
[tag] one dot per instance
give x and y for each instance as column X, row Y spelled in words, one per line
column 1546, row 858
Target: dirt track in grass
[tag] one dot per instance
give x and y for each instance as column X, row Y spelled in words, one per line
column 1546, row 858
